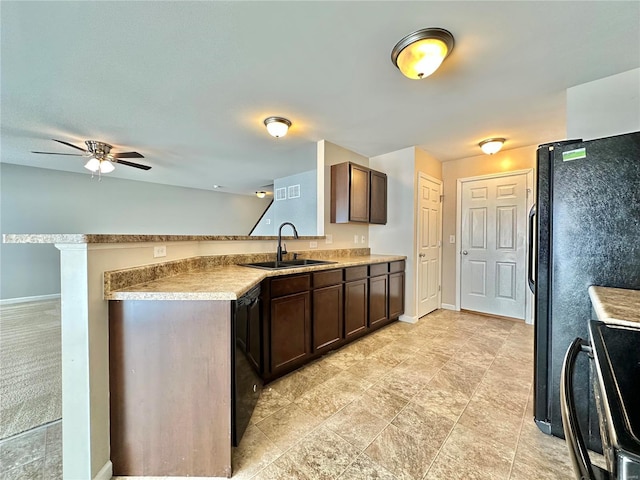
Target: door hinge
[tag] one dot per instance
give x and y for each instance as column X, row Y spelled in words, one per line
column 438, row 287
column 528, row 192
column 441, row 198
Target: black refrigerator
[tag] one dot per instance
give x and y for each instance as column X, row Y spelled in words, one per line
column 587, row 232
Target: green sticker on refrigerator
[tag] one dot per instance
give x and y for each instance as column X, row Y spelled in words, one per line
column 574, row 154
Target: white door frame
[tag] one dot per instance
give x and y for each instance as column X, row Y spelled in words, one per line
column 416, row 240
column 529, row 203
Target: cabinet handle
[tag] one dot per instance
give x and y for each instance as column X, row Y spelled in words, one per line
column 422, row 255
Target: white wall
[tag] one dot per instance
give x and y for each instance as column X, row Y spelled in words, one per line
column 300, row 211
column 398, row 236
column 605, row 107
column 36, row 200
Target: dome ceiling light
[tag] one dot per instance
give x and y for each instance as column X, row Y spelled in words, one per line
column 277, row 126
column 420, row 53
column 491, row 145
column 261, row 194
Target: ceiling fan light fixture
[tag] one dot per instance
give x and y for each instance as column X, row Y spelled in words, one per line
column 491, row 145
column 92, row 165
column 277, row 126
column 421, row 53
column 106, row 166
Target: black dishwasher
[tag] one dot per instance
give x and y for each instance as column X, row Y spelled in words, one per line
column 246, row 383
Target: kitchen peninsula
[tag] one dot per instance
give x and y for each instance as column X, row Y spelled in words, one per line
column 199, row 271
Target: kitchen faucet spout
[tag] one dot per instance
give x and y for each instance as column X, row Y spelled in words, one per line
column 280, row 250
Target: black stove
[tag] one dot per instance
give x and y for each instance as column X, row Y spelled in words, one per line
column 616, row 365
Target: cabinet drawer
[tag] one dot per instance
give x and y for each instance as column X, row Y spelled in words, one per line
column 396, row 266
column 355, row 273
column 325, row 279
column 378, row 269
column 289, row 285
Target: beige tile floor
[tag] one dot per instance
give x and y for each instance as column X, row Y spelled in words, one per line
column 33, row 455
column 447, row 398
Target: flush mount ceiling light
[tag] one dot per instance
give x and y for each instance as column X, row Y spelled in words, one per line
column 277, row 126
column 491, row 145
column 261, row 194
column 420, row 53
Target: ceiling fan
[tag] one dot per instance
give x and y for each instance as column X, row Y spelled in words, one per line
column 101, row 159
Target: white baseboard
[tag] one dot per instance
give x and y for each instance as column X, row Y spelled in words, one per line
column 448, row 306
column 408, row 319
column 105, row 472
column 35, row 298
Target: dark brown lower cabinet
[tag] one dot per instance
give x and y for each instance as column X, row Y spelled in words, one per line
column 396, row 294
column 378, row 311
column 355, row 307
column 327, row 317
column 169, row 371
column 290, row 331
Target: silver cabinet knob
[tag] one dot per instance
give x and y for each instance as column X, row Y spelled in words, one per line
column 464, row 252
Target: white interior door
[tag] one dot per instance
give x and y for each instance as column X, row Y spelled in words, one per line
column 429, row 244
column 493, row 245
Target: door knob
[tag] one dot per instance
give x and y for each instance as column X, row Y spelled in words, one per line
column 421, row 255
column 464, row 252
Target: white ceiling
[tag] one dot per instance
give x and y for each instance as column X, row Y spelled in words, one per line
column 187, row 84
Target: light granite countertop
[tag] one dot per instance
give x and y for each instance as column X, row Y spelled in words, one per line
column 226, row 282
column 616, row 305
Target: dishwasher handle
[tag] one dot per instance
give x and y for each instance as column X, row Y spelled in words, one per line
column 578, row 453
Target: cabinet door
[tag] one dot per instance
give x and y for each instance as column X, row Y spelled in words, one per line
column 378, row 300
column 378, row 204
column 355, row 307
column 359, row 194
column 290, row 331
column 396, row 294
column 254, row 336
column 327, row 317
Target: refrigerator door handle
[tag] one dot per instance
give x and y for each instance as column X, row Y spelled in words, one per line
column 582, row 466
column 532, row 223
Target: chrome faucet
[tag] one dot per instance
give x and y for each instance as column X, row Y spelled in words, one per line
column 281, row 250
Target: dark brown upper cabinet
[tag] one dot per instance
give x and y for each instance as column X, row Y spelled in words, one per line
column 358, row 194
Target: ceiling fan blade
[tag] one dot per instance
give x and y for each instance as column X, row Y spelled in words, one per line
column 55, row 153
column 131, row 164
column 69, row 145
column 127, row 155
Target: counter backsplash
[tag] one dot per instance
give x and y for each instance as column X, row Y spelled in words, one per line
column 125, row 278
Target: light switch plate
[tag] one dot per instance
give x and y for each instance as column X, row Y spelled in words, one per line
column 362, row 239
column 355, row 238
column 160, row 251
column 452, row 239
column 313, row 244
column 328, row 238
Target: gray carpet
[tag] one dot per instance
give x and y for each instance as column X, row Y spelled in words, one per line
column 30, row 366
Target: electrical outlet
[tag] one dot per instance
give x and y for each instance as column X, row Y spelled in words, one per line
column 452, row 239
column 313, row 244
column 160, row 251
column 328, row 238
column 362, row 239
column 355, row 238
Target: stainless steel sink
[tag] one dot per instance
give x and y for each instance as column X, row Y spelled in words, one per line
column 286, row 264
